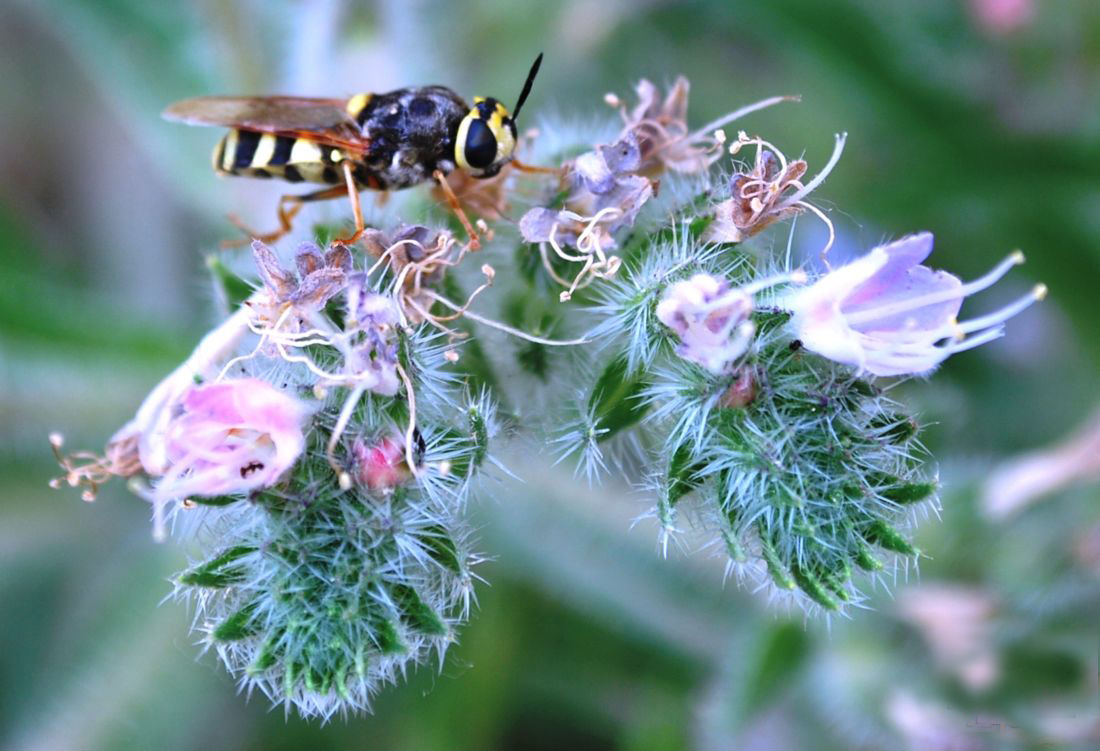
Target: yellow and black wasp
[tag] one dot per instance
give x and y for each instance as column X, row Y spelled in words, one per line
column 378, row 141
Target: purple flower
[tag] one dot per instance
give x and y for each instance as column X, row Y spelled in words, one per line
column 230, row 437
column 887, row 315
column 605, row 195
column 711, row 319
column 371, row 354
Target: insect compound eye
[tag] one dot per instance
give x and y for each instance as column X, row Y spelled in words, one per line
column 480, row 146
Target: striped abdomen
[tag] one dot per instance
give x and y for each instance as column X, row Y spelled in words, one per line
column 252, row 154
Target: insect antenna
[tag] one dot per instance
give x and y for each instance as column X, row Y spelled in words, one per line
column 527, row 86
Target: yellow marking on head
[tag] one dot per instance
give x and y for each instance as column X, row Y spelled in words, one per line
column 265, row 149
column 304, row 151
column 460, row 139
column 505, row 143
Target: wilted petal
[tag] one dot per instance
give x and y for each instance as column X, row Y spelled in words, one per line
column 622, row 156
column 318, row 288
column 591, row 172
column 536, row 224
column 278, row 280
column 308, row 259
column 675, row 106
column 339, row 257
column 648, row 96
column 375, row 240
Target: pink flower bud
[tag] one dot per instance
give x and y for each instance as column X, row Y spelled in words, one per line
column 380, row 466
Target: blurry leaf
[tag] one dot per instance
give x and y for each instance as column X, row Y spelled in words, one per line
column 614, row 400
column 775, row 664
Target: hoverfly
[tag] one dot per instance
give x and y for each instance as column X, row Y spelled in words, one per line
column 379, row 141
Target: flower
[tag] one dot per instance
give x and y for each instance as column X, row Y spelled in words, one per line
column 711, row 319
column 232, row 436
column 322, row 276
column 605, row 195
column 887, row 315
column 1023, row 480
column 1003, row 16
column 958, row 624
column 661, row 128
column 772, row 190
column 371, row 354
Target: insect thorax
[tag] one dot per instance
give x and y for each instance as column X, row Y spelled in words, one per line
column 411, row 132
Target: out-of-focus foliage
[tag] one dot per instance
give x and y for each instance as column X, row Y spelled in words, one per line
column 986, row 134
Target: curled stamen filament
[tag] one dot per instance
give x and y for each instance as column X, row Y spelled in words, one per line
column 410, row 431
column 597, row 264
column 805, row 190
column 507, row 329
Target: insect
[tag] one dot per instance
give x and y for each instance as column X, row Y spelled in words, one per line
column 378, row 141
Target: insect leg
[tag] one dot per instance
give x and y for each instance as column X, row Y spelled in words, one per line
column 456, row 207
column 289, row 206
column 353, row 194
column 530, row 168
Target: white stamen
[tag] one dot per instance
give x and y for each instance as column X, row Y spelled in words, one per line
column 933, row 298
column 507, row 329
column 819, row 178
column 798, row 276
column 1002, row 315
column 737, row 114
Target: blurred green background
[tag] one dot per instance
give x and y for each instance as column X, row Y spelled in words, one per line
column 976, row 119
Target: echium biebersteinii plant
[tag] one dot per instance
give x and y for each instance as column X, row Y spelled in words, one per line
column 321, row 455
column 759, row 391
column 319, row 444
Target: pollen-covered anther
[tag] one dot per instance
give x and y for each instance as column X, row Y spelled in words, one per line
column 451, row 355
